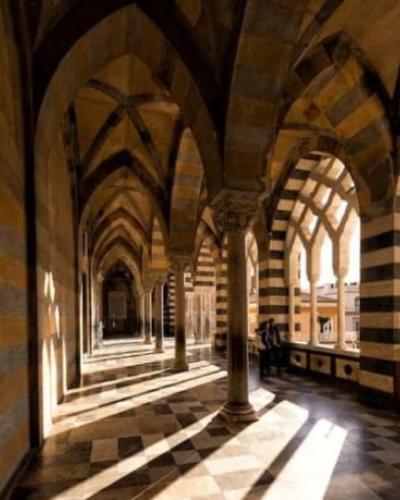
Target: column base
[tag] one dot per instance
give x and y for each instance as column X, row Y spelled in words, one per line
column 148, row 341
column 159, row 350
column 180, row 367
column 238, row 413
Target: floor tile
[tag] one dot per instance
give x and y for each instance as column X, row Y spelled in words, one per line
column 134, row 429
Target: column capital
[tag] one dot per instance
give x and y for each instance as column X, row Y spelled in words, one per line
column 180, row 262
column 158, row 278
column 148, row 287
column 313, row 277
column 340, row 274
column 235, row 210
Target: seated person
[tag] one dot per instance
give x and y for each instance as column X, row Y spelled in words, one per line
column 272, row 351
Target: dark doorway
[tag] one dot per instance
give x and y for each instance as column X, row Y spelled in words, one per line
column 119, row 303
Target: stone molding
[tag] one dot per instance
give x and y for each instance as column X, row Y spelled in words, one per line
column 236, row 211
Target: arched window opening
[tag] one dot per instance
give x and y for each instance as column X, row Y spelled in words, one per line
column 119, row 305
column 252, row 282
column 201, row 302
column 300, row 334
column 322, row 252
column 327, row 296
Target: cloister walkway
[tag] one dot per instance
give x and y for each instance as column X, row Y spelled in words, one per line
column 135, row 429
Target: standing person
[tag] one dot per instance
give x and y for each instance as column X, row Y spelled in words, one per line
column 262, row 332
column 271, row 339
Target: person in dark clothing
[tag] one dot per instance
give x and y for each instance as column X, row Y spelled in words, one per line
column 272, row 352
column 262, row 331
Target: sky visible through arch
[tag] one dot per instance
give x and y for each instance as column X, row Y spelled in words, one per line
column 326, row 270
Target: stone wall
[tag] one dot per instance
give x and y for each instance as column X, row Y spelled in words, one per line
column 14, row 399
column 57, row 297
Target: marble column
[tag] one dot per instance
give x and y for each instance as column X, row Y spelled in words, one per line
column 179, row 264
column 314, row 326
column 341, row 312
column 147, row 315
column 235, row 215
column 159, row 315
column 292, row 311
column 89, row 330
column 313, row 273
column 142, row 314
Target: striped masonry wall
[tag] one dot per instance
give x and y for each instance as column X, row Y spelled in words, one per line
column 14, row 387
column 222, row 299
column 205, row 269
column 272, row 282
column 380, row 310
column 186, row 193
column 170, row 306
column 205, row 292
column 57, row 294
column 379, row 289
column 159, row 262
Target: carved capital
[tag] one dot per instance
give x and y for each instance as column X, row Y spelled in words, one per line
column 235, row 210
column 180, row 262
column 148, row 287
column 159, row 278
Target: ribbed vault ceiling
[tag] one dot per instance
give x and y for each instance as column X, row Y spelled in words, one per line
column 166, row 103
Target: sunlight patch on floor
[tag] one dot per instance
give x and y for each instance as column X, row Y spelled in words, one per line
column 133, row 397
column 308, row 471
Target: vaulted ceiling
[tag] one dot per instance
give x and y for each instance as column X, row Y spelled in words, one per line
column 165, row 103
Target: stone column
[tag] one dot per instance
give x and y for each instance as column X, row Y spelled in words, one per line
column 314, row 327
column 292, row 311
column 340, row 268
column 159, row 315
column 179, row 265
column 341, row 312
column 292, row 281
column 234, row 214
column 199, row 315
column 313, row 270
column 97, row 317
column 142, row 314
column 147, row 314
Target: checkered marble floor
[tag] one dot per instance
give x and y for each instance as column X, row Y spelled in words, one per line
column 135, row 429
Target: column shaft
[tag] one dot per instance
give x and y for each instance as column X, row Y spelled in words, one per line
column 159, row 317
column 314, row 330
column 341, row 313
column 237, row 406
column 292, row 312
column 180, row 333
column 148, row 317
column 142, row 315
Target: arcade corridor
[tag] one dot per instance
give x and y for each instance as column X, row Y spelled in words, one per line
column 188, row 187
column 136, row 430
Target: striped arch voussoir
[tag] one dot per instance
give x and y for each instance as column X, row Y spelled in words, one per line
column 360, row 118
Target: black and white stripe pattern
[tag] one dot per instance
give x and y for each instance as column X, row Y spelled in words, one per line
column 273, row 284
column 380, row 307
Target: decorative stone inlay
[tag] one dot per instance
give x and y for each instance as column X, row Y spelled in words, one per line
column 348, row 369
column 235, row 210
